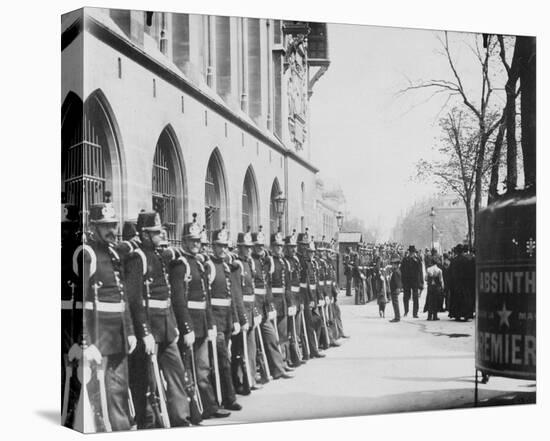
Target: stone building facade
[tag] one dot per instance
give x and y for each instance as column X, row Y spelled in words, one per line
column 190, row 113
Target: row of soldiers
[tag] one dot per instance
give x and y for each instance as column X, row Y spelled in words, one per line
column 161, row 336
column 365, row 268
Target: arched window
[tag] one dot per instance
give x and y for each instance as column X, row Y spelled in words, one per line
column 167, row 187
column 215, row 199
column 89, row 153
column 273, row 217
column 250, row 205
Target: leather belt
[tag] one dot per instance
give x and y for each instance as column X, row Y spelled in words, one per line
column 312, row 286
column 295, row 288
column 277, row 290
column 260, row 291
column 68, row 304
column 249, row 298
column 220, row 302
column 158, row 304
column 106, row 306
column 192, row 304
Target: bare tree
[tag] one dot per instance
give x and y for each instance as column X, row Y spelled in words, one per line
column 461, row 161
column 480, row 108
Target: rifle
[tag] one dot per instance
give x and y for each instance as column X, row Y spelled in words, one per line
column 133, row 425
column 274, row 321
column 216, row 371
column 295, row 338
column 160, row 395
column 68, row 365
column 156, row 393
column 327, row 339
column 305, row 345
column 245, row 360
column 263, row 362
column 197, row 392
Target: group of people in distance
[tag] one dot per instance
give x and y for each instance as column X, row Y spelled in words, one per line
column 155, row 335
column 383, row 272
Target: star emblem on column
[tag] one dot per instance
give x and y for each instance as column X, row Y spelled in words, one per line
column 530, row 246
column 504, row 314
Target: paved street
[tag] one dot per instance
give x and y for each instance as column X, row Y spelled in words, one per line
column 384, row 367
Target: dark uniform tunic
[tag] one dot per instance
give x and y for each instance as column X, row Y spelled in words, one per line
column 264, row 302
column 109, row 327
column 224, row 314
column 151, row 302
column 293, row 299
column 308, row 285
column 279, row 281
column 242, row 287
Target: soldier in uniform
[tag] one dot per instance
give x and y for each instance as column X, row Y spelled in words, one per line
column 308, row 291
column 279, row 282
column 323, row 298
column 196, row 302
column 242, row 286
column 108, row 334
column 294, row 302
column 348, row 270
column 155, row 323
column 264, row 302
column 71, row 326
column 224, row 312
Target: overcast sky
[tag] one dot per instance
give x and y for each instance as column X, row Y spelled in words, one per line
column 363, row 136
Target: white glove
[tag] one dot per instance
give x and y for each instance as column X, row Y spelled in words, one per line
column 327, row 300
column 257, row 320
column 312, row 304
column 75, row 352
column 272, row 315
column 236, row 328
column 291, row 310
column 91, row 353
column 245, row 327
column 212, row 333
column 321, row 302
column 149, row 342
column 189, row 339
column 132, row 343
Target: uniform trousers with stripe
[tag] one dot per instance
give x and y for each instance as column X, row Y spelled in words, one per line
column 237, row 358
column 224, row 368
column 171, row 365
column 203, row 371
column 274, row 357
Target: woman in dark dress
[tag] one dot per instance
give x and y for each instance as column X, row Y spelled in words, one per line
column 434, row 297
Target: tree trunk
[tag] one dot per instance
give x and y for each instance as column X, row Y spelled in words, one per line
column 527, row 75
column 469, row 218
column 495, row 162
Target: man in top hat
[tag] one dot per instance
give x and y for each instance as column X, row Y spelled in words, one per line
column 308, row 289
column 242, row 287
column 263, row 270
column 148, row 283
column 224, row 313
column 294, row 299
column 396, row 288
column 193, row 310
column 279, row 281
column 108, row 335
column 413, row 280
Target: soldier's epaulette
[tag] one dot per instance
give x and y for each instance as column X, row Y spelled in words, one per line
column 138, row 253
column 86, row 250
column 183, row 260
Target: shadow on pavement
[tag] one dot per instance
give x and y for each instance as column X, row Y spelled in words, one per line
column 53, row 416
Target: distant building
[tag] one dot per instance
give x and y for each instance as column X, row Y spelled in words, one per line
column 190, row 113
column 328, row 202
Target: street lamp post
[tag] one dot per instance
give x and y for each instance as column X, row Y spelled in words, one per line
column 432, row 216
column 280, row 202
column 339, row 220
